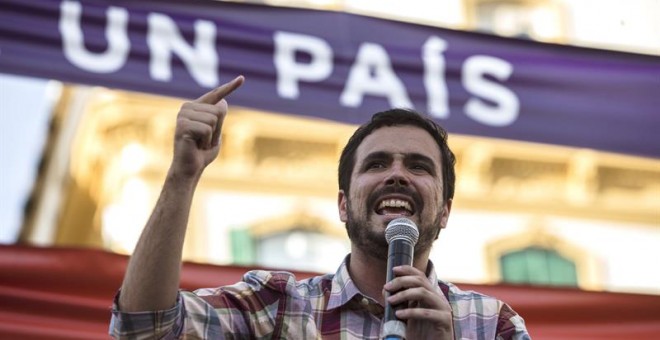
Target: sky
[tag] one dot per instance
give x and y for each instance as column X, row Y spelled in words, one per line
column 24, row 114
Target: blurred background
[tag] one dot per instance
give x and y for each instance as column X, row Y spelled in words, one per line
column 82, row 166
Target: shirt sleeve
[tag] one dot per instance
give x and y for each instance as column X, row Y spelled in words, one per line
column 510, row 325
column 190, row 318
column 247, row 309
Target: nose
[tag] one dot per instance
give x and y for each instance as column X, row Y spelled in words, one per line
column 398, row 175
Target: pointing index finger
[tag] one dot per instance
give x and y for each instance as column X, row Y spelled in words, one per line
column 218, row 93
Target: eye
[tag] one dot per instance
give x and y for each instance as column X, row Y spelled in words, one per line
column 420, row 167
column 375, row 165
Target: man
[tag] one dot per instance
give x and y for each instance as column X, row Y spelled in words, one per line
column 397, row 165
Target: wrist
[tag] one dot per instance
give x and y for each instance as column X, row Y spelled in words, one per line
column 182, row 178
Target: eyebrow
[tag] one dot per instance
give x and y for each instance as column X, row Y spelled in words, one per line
column 378, row 155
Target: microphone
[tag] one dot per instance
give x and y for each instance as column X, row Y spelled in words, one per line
column 401, row 235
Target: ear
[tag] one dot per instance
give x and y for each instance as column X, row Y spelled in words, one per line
column 446, row 209
column 342, row 204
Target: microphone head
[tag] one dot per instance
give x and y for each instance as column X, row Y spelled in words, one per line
column 401, row 228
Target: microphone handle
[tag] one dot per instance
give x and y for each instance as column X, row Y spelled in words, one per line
column 400, row 252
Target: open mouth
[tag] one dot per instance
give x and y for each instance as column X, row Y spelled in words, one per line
column 395, row 206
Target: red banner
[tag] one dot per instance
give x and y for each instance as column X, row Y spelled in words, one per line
column 58, row 293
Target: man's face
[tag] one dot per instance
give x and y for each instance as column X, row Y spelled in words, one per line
column 397, row 173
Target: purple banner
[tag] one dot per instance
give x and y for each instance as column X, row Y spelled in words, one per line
column 342, row 67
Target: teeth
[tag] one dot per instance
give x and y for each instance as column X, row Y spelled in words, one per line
column 394, row 203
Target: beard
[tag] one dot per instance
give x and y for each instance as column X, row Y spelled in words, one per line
column 370, row 239
column 364, row 235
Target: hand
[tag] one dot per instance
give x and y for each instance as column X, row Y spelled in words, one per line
column 428, row 313
column 198, row 127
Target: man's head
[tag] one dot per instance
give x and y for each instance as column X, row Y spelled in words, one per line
column 397, row 164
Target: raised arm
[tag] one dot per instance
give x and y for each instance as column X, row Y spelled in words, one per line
column 152, row 277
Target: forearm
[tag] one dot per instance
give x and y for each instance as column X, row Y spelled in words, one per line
column 153, row 273
column 152, row 277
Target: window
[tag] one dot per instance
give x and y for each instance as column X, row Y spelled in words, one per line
column 297, row 241
column 536, row 256
column 538, row 265
column 242, row 247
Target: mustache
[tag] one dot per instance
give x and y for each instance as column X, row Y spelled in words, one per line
column 395, row 189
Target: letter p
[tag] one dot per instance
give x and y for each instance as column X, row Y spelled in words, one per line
column 289, row 71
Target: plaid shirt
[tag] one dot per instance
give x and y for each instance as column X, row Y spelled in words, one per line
column 273, row 305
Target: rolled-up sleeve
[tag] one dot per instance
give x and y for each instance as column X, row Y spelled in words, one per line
column 190, row 318
column 511, row 326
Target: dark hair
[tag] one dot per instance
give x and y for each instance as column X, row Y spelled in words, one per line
column 398, row 117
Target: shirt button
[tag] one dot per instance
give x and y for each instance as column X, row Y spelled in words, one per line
column 365, row 301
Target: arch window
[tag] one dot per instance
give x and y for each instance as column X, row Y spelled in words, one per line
column 537, row 265
column 538, row 257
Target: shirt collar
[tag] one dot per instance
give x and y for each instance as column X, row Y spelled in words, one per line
column 343, row 288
